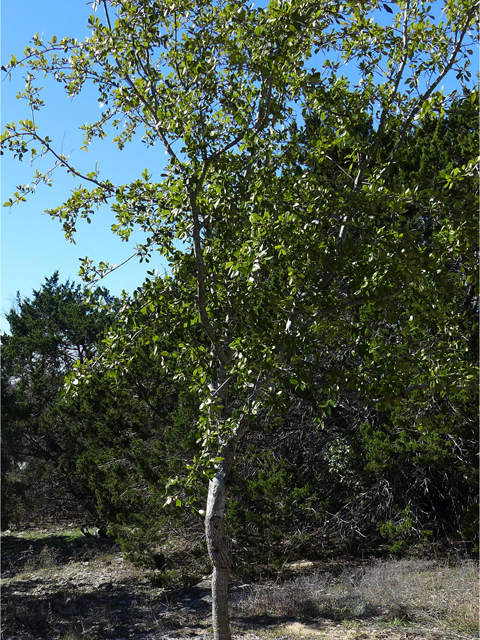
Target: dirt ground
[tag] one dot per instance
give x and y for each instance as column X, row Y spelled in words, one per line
column 56, row 587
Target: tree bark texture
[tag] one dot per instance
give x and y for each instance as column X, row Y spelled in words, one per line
column 219, row 554
column 218, row 549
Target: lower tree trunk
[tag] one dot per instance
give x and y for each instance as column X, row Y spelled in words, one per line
column 220, row 613
column 218, row 549
column 219, row 555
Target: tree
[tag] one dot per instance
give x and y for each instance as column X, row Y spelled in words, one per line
column 104, row 455
column 281, row 269
column 49, row 332
column 133, row 433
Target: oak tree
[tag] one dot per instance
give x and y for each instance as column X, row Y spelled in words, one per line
column 279, row 265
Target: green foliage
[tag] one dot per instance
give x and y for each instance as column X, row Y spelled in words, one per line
column 134, row 433
column 322, row 245
column 269, row 516
column 398, row 531
column 49, row 332
column 108, row 451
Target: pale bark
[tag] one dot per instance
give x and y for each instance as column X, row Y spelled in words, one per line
column 220, row 614
column 219, row 555
column 217, row 544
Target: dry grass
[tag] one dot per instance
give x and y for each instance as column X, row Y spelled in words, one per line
column 60, row 586
column 426, row 593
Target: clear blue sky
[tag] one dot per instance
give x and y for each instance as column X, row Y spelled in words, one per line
column 33, row 245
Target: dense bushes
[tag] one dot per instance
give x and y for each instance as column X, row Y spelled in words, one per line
column 347, row 477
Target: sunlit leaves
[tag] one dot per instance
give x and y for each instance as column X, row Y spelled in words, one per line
column 290, row 242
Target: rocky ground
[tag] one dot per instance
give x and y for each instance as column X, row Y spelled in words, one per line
column 63, row 586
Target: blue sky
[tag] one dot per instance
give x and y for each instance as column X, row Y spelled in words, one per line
column 34, row 245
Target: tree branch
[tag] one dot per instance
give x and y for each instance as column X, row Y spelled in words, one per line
column 220, row 353
column 153, row 112
column 400, row 70
column 426, row 95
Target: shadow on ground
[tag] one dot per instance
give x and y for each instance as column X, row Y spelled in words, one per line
column 49, row 608
column 20, row 554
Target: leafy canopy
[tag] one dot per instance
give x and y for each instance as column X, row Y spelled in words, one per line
column 287, row 235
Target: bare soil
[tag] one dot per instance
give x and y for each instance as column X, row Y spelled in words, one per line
column 59, row 585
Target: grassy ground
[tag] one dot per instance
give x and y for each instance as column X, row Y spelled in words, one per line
column 59, row 585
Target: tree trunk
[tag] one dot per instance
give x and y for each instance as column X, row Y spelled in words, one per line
column 215, row 534
column 219, row 554
column 220, row 613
